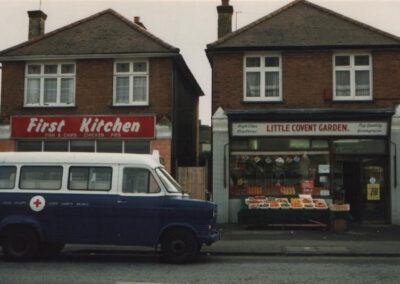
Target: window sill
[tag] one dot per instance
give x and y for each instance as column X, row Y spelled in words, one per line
column 369, row 100
column 127, row 106
column 263, row 102
column 50, row 106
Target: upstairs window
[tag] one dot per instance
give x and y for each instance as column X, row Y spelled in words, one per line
column 262, row 78
column 50, row 84
column 131, row 83
column 352, row 77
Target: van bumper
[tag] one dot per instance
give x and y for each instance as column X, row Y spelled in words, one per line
column 211, row 238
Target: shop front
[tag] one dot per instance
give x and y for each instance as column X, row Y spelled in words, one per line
column 337, row 162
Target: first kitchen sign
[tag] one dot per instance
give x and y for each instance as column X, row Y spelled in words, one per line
column 91, row 126
column 368, row 128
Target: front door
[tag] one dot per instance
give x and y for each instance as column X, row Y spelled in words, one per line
column 374, row 190
column 139, row 206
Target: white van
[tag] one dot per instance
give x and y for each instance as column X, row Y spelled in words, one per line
column 50, row 199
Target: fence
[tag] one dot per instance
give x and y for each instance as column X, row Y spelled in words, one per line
column 193, row 180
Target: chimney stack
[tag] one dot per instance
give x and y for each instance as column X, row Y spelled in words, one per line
column 225, row 12
column 137, row 21
column 36, row 24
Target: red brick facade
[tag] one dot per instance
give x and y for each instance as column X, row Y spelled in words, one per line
column 305, row 77
column 164, row 148
column 94, row 90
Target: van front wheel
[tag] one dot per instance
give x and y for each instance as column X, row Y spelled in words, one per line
column 178, row 246
column 20, row 243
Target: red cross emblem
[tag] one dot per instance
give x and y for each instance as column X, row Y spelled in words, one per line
column 37, row 203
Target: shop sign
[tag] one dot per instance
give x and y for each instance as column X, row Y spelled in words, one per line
column 367, row 128
column 373, row 191
column 91, row 126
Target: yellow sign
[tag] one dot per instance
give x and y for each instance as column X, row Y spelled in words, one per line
column 373, row 191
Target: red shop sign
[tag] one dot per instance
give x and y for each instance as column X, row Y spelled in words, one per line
column 90, row 126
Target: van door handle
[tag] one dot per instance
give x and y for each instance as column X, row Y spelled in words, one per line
column 121, row 201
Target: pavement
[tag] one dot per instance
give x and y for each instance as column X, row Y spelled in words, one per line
column 358, row 240
column 236, row 240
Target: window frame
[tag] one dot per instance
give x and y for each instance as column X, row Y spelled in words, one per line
column 151, row 175
column 352, row 68
column 131, row 74
column 262, row 70
column 42, row 76
column 21, row 169
column 88, row 189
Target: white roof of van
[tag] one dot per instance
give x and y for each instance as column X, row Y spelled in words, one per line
column 79, row 158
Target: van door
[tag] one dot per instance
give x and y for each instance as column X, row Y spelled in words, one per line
column 87, row 211
column 139, row 205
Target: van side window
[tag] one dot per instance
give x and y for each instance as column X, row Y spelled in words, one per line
column 136, row 180
column 90, row 178
column 41, row 177
column 7, row 177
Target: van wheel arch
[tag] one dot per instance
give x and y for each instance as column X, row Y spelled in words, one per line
column 20, row 242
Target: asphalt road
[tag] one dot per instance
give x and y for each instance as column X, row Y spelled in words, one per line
column 124, row 268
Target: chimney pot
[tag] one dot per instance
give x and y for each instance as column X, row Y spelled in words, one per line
column 37, row 21
column 225, row 12
column 137, row 21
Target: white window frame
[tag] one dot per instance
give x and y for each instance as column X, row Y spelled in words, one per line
column 42, row 78
column 131, row 74
column 262, row 69
column 353, row 68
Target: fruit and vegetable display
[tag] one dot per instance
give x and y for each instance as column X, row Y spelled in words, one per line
column 300, row 202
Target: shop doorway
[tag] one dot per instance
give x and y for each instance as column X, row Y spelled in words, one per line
column 360, row 181
column 352, row 189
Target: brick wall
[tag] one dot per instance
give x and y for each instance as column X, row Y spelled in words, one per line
column 94, row 90
column 7, row 145
column 305, row 76
column 164, row 148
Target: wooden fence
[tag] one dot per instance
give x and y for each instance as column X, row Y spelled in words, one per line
column 194, row 181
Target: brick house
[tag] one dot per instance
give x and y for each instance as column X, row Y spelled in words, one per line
column 303, row 102
column 102, row 84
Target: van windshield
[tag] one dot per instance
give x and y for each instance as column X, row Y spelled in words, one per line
column 170, row 184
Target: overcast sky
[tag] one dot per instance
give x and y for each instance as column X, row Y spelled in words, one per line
column 187, row 24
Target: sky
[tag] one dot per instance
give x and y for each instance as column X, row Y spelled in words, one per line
column 187, row 24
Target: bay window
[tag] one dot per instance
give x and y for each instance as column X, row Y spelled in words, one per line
column 50, row 84
column 262, row 78
column 352, row 77
column 131, row 79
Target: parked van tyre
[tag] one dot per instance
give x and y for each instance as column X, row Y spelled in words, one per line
column 20, row 243
column 179, row 246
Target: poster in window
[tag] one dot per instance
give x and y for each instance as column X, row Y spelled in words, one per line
column 373, row 191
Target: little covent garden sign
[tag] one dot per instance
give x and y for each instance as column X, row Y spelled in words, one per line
column 365, row 128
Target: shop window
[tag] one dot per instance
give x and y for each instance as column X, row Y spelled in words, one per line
column 262, row 78
column 82, row 146
column 41, row 177
column 50, row 84
column 279, row 173
column 359, row 146
column 138, row 147
column 29, row 146
column 137, row 180
column 55, row 146
column 352, row 77
column 109, row 146
column 131, row 83
column 7, row 177
column 90, row 178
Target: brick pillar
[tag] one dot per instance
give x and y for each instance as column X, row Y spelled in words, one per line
column 164, row 147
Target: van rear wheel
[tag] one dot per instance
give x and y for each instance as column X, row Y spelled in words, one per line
column 20, row 243
column 179, row 246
